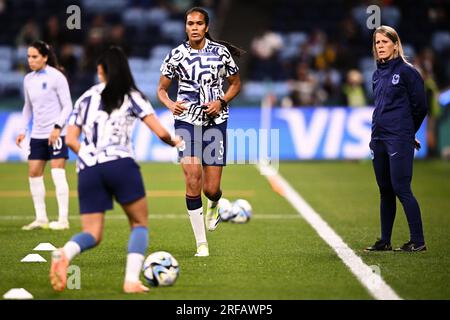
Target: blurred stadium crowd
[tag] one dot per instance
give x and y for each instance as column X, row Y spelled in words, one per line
column 145, row 29
column 308, row 53
column 322, row 49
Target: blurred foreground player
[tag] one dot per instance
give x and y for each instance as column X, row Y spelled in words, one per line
column 105, row 114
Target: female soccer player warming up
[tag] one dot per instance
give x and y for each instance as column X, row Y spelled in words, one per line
column 48, row 102
column 105, row 114
column 201, row 111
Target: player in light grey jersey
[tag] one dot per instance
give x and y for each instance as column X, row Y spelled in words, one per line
column 48, row 103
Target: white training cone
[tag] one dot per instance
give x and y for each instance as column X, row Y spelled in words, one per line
column 18, row 293
column 44, row 246
column 33, row 257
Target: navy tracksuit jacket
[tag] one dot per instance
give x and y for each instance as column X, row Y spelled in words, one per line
column 400, row 101
column 400, row 108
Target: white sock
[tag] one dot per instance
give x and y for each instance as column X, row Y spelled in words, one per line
column 198, row 225
column 71, row 249
column 62, row 193
column 134, row 267
column 37, row 189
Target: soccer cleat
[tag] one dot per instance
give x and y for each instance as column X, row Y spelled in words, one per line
column 411, row 247
column 58, row 270
column 36, row 224
column 379, row 245
column 59, row 225
column 202, row 251
column 212, row 217
column 134, row 287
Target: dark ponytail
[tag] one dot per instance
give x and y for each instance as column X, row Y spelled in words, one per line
column 119, row 80
column 47, row 51
column 234, row 50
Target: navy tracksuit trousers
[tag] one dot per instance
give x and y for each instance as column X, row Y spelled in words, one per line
column 393, row 165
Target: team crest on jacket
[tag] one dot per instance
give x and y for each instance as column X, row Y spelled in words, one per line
column 395, row 78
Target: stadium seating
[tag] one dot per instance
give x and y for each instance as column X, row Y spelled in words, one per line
column 331, row 37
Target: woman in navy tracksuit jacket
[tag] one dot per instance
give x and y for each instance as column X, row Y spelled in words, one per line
column 400, row 107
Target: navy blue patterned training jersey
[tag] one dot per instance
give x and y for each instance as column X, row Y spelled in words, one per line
column 107, row 137
column 200, row 75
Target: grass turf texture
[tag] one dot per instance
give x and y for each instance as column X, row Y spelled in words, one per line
column 277, row 255
column 346, row 196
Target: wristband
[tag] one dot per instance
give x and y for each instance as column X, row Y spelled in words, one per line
column 223, row 103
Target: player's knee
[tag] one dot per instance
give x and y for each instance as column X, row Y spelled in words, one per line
column 35, row 172
column 403, row 192
column 194, row 183
column 387, row 191
column 212, row 194
column 193, row 175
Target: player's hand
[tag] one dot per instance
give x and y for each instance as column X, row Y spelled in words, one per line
column 179, row 143
column 54, row 136
column 177, row 108
column 213, row 108
column 19, row 139
column 417, row 144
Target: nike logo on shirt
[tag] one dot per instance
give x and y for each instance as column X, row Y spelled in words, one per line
column 393, row 154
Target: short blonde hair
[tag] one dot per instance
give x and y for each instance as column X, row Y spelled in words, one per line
column 393, row 36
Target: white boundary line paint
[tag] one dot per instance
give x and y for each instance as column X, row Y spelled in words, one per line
column 371, row 280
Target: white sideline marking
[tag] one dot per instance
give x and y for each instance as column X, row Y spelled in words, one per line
column 371, row 280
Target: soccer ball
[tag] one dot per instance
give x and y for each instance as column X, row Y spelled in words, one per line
column 241, row 211
column 161, row 269
column 225, row 209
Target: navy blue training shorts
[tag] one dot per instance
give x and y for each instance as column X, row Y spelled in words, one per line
column 208, row 143
column 40, row 150
column 98, row 185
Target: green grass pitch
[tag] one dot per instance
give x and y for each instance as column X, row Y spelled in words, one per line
column 277, row 255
